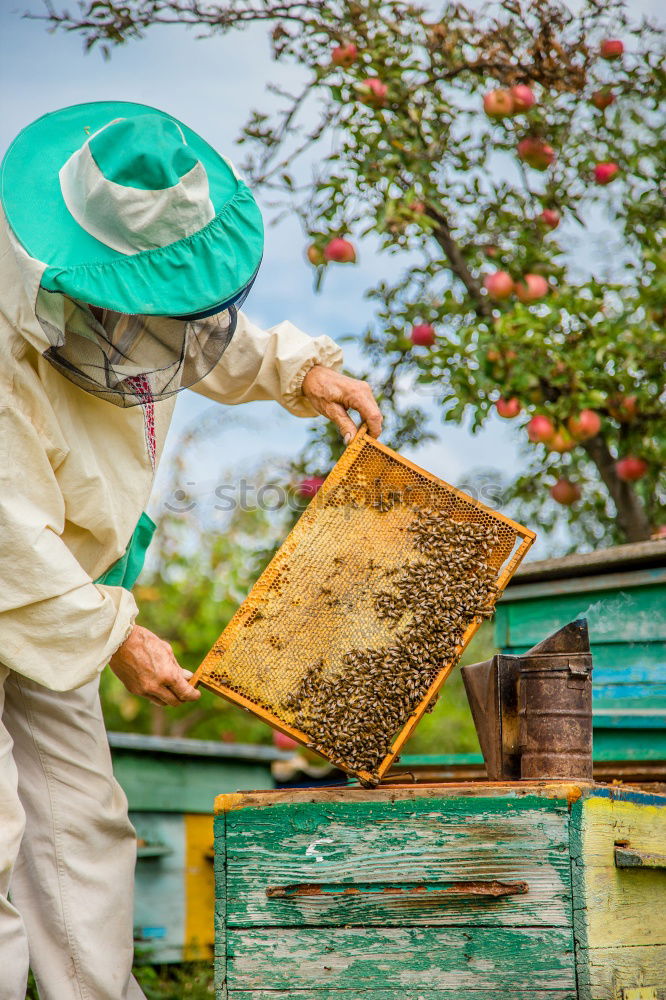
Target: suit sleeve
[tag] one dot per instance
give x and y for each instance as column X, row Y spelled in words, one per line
column 56, row 626
column 269, row 364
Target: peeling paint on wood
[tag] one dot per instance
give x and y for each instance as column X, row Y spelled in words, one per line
column 400, row 994
column 619, row 915
column 518, row 790
column 406, row 843
column 220, row 867
column 621, row 908
column 402, row 958
column 614, row 969
column 366, row 932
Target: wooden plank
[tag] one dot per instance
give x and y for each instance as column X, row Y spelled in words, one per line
column 447, row 959
column 613, row 616
column 400, row 863
column 638, row 663
column 612, row 970
column 625, row 675
column 631, row 663
column 616, row 908
column 158, row 782
column 220, row 976
column 601, row 561
column 399, row 994
column 627, row 696
column 566, row 791
column 527, row 591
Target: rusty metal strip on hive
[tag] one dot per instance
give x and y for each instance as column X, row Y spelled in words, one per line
column 322, row 592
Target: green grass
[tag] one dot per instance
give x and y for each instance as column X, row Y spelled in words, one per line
column 191, row 981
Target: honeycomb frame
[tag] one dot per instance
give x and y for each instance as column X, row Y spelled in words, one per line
column 364, row 452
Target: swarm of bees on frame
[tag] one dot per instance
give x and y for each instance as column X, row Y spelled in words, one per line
column 354, row 712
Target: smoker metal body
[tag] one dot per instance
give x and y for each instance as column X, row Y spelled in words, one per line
column 533, row 713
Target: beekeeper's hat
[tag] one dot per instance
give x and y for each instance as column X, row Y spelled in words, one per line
column 131, row 210
column 121, row 206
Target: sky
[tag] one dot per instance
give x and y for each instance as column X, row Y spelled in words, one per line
column 212, row 84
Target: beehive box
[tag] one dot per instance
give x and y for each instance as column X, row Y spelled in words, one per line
column 168, row 784
column 348, row 635
column 474, row 891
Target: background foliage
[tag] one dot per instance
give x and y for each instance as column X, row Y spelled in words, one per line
column 417, row 168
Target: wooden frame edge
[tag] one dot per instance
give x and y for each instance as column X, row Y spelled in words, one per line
column 330, row 483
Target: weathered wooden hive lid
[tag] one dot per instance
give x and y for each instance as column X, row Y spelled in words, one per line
column 618, row 559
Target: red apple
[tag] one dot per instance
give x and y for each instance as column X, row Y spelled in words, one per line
column 341, row 251
column 423, row 335
column 508, row 407
column 631, row 468
column 498, row 103
column 549, row 217
column 561, row 442
column 585, row 425
column 604, row 173
column 603, row 99
column 310, row 486
column 623, row 409
column 611, row 48
column 531, row 288
column 344, row 55
column 373, row 92
column 499, row 284
column 523, row 97
column 315, row 255
column 283, row 742
column 540, row 429
column 536, row 153
column 565, row 492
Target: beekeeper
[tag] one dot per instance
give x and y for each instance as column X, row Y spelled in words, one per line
column 127, row 248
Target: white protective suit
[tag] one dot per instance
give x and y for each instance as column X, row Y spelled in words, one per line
column 76, row 474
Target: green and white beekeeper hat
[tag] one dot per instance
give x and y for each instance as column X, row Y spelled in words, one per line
column 130, row 210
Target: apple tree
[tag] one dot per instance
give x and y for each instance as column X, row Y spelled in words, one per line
column 513, row 154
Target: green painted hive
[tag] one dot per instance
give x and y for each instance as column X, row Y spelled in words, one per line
column 622, row 593
column 168, row 785
column 555, row 891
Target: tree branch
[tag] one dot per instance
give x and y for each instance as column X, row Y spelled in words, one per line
column 631, row 515
column 454, row 254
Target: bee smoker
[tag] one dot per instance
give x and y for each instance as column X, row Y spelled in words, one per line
column 533, row 713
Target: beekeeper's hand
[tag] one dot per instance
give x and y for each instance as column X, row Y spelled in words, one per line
column 332, row 394
column 147, row 667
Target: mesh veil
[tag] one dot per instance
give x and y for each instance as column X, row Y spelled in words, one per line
column 128, row 359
